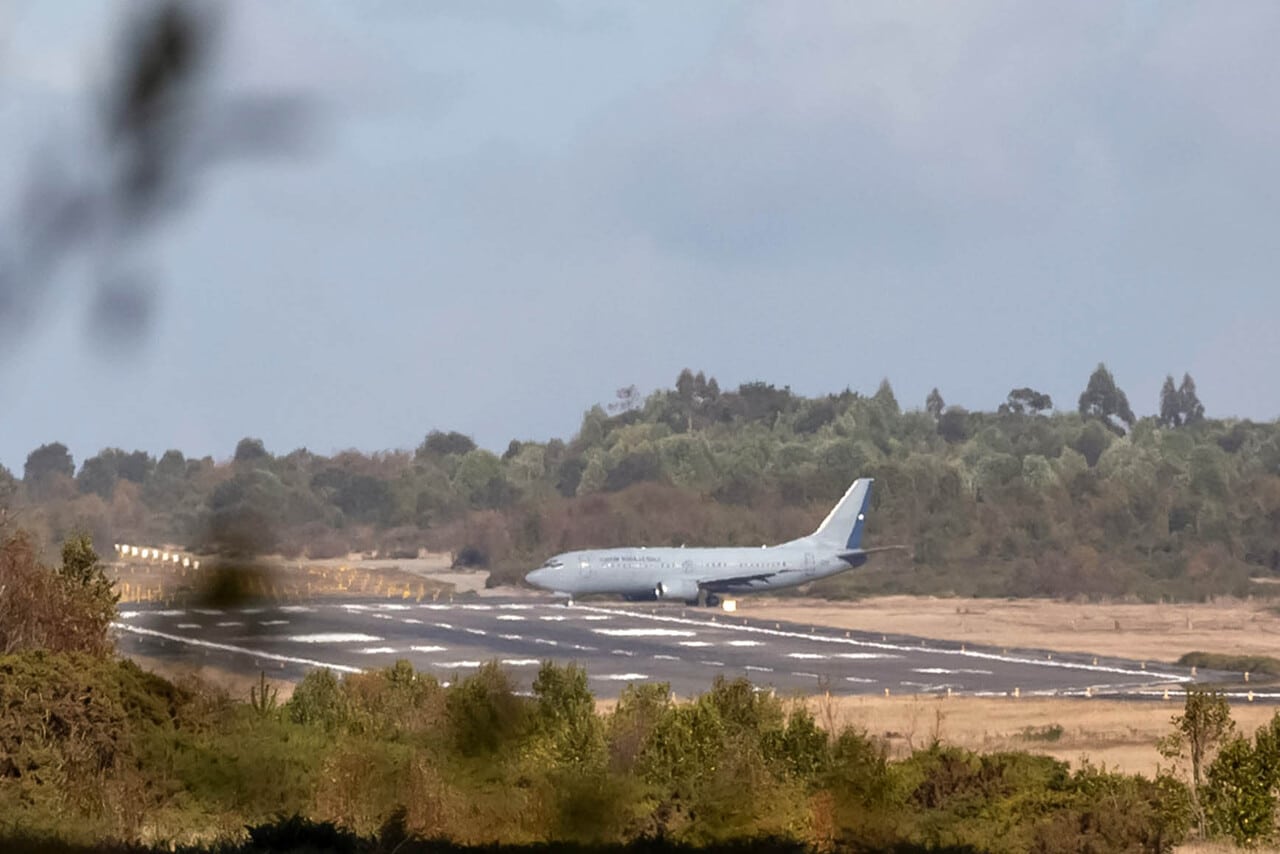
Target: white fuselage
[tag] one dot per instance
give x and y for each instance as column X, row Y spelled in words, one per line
column 681, row 572
column 691, row 574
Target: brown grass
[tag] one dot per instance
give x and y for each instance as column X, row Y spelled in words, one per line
column 1138, row 631
column 1120, row 735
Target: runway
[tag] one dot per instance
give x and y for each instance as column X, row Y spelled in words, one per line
column 619, row 644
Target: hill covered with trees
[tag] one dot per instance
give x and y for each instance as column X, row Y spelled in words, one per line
column 1022, row 500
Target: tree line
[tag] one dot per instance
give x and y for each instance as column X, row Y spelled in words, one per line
column 1025, row 499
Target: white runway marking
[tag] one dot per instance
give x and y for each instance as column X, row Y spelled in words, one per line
column 393, row 606
column 804, row 675
column 553, row 618
column 438, row 607
column 444, row 625
column 296, row 609
column 863, row 656
column 511, row 617
column 661, row 657
column 582, row 647
column 208, row 612
column 940, row 671
column 334, row 637
column 812, row 656
column 619, row 677
column 477, row 607
column 381, row 616
column 128, row 615
column 713, row 663
column 227, row 624
column 859, row 680
column 758, row 668
column 594, row 618
column 273, row 622
column 375, row 650
column 513, row 607
column 622, row 651
column 475, row 631
column 745, row 643
column 427, row 648
column 546, row 642
column 188, row 625
column 170, row 613
column 520, row 662
column 927, row 687
column 412, row 620
column 890, row 647
column 455, row 664
column 511, row 637
column 226, row 647
column 646, row 633
column 696, row 643
column 353, row 606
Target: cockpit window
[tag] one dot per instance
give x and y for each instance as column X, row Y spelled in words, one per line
column 554, row 563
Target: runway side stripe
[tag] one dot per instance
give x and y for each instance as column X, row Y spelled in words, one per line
column 226, row 647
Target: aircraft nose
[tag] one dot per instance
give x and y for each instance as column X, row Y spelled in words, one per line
column 537, row 578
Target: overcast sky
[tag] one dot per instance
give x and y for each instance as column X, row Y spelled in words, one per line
column 510, row 209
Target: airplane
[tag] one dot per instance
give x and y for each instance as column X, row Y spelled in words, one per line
column 694, row 575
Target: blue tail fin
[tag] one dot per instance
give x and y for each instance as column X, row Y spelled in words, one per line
column 842, row 529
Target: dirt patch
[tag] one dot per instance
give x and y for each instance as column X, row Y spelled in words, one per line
column 1125, row 630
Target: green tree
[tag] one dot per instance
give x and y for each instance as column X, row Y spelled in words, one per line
column 1025, row 401
column 1203, row 727
column 97, row 476
column 249, row 450
column 439, row 444
column 1239, row 794
column 1170, row 404
column 1104, row 400
column 953, row 426
column 934, row 404
column 887, row 400
column 44, row 465
column 1189, row 402
column 565, row 718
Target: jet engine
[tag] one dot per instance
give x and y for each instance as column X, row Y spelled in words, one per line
column 680, row 588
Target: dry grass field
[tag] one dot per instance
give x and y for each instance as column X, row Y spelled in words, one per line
column 1128, row 630
column 1120, row 735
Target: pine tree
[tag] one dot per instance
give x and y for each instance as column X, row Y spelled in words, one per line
column 1189, row 404
column 934, row 404
column 1170, row 404
column 1103, row 399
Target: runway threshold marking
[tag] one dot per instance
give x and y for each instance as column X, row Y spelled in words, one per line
column 1059, row 664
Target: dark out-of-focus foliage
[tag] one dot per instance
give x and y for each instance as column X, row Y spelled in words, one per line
column 1020, row 501
column 133, row 161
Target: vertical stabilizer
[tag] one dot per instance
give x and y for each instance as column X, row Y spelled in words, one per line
column 842, row 529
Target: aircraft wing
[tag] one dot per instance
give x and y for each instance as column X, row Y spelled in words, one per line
column 738, row 582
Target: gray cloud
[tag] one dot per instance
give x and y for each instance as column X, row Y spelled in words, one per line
column 513, row 218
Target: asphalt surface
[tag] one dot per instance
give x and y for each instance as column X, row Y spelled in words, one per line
column 619, row 644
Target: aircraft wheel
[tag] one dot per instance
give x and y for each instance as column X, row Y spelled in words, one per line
column 713, row 601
